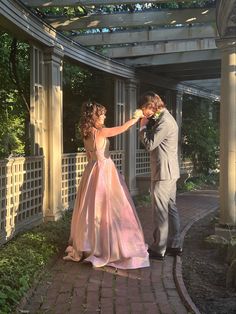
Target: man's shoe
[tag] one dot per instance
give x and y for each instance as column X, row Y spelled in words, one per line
column 155, row 255
column 174, row 251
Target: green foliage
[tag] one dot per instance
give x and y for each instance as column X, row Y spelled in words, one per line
column 75, row 80
column 13, row 112
column 62, row 11
column 76, row 88
column 189, row 186
column 210, row 181
column 142, row 200
column 81, row 11
column 179, row 5
column 79, row 85
column 200, row 133
column 11, row 134
column 25, row 256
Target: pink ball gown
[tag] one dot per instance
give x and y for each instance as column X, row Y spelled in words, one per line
column 105, row 229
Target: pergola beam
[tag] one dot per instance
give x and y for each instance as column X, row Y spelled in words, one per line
column 173, row 58
column 137, row 19
column 203, row 75
column 22, row 22
column 146, row 35
column 194, row 66
column 190, row 75
column 173, row 84
column 188, row 71
column 159, row 48
column 69, row 3
column 212, row 85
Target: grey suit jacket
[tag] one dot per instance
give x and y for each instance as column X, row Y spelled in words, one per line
column 162, row 142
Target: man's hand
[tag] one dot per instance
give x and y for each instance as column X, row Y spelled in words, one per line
column 143, row 122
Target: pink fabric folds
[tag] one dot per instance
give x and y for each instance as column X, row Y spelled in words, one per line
column 105, row 229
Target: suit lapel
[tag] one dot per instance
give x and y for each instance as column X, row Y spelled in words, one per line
column 154, row 123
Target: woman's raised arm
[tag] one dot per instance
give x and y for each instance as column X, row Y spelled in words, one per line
column 109, row 132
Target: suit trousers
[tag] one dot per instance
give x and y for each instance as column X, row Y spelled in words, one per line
column 165, row 216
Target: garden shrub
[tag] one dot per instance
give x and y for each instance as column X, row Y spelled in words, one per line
column 24, row 257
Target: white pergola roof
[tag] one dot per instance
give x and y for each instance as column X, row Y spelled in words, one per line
column 146, row 35
column 178, row 44
column 135, row 19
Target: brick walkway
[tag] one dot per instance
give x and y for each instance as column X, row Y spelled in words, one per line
column 75, row 288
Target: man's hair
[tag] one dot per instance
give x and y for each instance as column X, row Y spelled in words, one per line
column 151, row 97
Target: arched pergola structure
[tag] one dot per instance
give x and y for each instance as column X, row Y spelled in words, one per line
column 137, row 49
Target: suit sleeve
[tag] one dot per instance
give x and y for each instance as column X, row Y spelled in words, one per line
column 153, row 138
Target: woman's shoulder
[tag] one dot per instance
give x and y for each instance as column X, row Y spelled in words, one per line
column 100, row 132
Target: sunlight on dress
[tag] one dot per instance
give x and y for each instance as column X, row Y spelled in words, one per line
column 105, row 229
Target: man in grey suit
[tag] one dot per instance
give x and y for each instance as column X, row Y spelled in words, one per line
column 159, row 134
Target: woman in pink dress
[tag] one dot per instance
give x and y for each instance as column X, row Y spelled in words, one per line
column 105, row 229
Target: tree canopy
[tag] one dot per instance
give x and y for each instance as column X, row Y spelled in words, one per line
column 14, row 96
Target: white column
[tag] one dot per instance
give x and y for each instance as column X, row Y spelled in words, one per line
column 131, row 137
column 178, row 117
column 228, row 133
column 53, row 156
column 38, row 115
column 170, row 101
column 119, row 100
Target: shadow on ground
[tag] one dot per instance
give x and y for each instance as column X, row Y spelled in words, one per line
column 204, row 271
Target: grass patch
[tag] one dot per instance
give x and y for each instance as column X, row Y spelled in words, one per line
column 24, row 257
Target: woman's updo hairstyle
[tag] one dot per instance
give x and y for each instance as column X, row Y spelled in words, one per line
column 90, row 112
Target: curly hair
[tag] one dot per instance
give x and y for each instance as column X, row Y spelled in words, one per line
column 91, row 111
